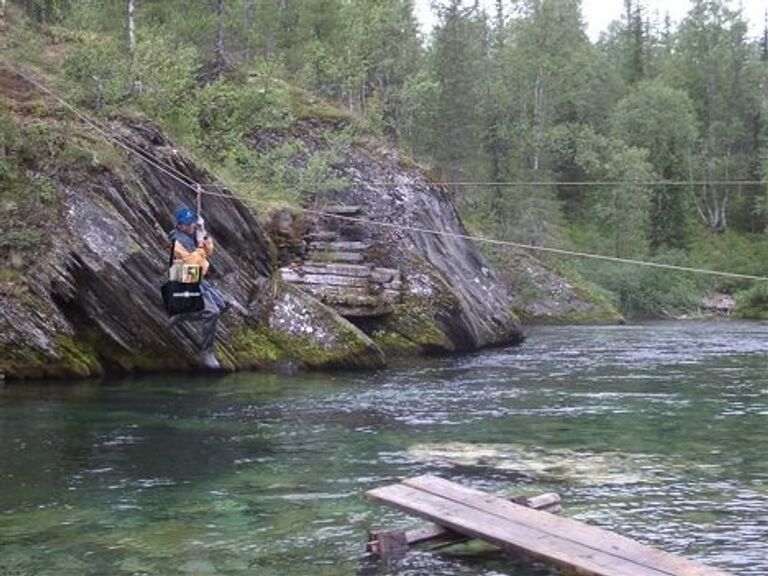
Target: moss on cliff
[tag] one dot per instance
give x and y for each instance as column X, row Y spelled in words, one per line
column 413, row 325
column 255, row 348
column 302, row 330
column 69, row 359
column 263, row 347
column 395, row 344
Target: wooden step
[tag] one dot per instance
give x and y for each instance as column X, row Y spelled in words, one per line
column 296, row 277
column 320, row 257
column 340, row 245
column 342, row 210
column 354, row 270
column 322, row 236
column 384, row 275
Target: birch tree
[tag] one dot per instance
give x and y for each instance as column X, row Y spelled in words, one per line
column 711, row 65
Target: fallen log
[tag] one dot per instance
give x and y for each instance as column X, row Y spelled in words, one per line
column 393, row 543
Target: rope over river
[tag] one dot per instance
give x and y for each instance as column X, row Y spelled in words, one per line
column 195, row 186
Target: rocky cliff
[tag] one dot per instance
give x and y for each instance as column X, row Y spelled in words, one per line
column 449, row 298
column 85, row 300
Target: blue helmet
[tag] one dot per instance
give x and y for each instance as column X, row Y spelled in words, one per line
column 185, row 216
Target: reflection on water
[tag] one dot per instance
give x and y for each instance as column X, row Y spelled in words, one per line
column 656, row 431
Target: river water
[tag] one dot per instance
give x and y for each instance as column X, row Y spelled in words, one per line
column 657, row 431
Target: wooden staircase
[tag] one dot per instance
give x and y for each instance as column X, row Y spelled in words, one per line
column 337, row 272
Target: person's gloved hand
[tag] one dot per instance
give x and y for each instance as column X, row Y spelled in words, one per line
column 200, row 233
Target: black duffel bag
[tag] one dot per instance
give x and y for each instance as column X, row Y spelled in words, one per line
column 182, row 297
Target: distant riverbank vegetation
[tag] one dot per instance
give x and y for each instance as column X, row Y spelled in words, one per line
column 651, row 143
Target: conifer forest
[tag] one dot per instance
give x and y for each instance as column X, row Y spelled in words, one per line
column 650, row 143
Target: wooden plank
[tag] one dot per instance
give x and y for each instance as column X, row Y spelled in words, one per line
column 537, row 544
column 344, row 210
column 378, row 542
column 323, row 236
column 385, row 275
column 358, row 296
column 438, row 535
column 548, row 502
column 432, row 533
column 320, row 256
column 354, row 270
column 573, row 530
column 323, row 279
column 363, row 311
column 340, row 246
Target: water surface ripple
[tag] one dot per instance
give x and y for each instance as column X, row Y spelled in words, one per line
column 657, row 431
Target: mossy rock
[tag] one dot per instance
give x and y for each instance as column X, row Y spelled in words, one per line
column 302, row 330
column 69, row 359
column 413, row 330
column 395, row 344
column 415, row 326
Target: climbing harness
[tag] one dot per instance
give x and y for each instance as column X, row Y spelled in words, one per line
column 199, row 190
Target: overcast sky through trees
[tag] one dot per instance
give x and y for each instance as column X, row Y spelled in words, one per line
column 598, row 14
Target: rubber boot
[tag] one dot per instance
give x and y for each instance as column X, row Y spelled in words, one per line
column 208, row 360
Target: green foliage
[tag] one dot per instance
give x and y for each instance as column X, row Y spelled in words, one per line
column 225, row 112
column 32, row 156
column 20, row 238
column 660, row 120
column 98, row 71
column 46, row 11
column 739, row 253
column 165, row 82
column 753, row 302
column 10, row 144
column 643, row 292
column 291, row 171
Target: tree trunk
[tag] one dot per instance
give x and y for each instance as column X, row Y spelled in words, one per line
column 3, row 35
column 136, row 86
column 220, row 60
column 132, row 29
column 538, row 118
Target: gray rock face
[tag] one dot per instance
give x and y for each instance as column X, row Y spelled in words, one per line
column 544, row 296
column 453, row 300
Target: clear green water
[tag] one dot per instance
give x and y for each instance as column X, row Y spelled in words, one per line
column 656, row 431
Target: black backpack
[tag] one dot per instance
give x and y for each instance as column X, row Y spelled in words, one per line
column 181, row 297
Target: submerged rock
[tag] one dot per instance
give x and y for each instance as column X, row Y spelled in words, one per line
column 562, row 465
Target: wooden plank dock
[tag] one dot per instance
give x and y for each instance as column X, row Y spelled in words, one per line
column 570, row 545
column 394, row 543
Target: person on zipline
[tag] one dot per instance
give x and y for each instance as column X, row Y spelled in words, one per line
column 192, row 247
